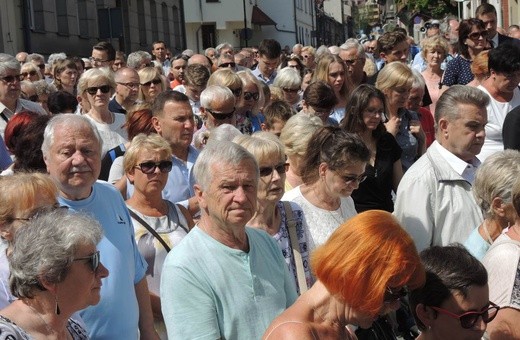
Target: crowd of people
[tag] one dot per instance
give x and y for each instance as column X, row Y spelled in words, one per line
column 364, row 191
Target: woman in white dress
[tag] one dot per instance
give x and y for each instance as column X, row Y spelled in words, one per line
column 333, row 167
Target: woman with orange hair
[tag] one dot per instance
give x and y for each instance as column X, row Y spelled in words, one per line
column 362, row 271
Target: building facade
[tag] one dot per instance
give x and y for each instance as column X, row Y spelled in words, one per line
column 49, row 26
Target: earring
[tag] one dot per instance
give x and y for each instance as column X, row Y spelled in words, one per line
column 57, row 309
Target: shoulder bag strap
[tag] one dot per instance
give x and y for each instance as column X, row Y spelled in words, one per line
column 150, row 229
column 291, row 226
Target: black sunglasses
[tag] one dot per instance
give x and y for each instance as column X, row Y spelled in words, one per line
column 280, row 168
column 228, row 65
column 351, row 178
column 221, row 115
column 237, row 92
column 476, row 35
column 289, row 90
column 93, row 90
column 12, row 79
column 30, row 73
column 467, row 320
column 155, row 81
column 251, row 95
column 149, row 167
column 392, row 295
column 93, row 260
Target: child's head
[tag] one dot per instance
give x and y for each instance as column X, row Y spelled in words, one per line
column 276, row 114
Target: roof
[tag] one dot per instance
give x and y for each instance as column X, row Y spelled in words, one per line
column 260, row 18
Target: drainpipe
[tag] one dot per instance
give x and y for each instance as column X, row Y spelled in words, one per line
column 295, row 22
column 183, row 24
column 245, row 22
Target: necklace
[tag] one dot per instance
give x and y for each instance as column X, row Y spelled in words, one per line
column 342, row 218
column 48, row 328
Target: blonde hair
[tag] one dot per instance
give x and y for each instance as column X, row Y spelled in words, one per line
column 145, row 143
column 394, row 74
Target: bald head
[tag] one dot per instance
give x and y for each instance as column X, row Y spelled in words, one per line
column 21, row 57
column 200, row 59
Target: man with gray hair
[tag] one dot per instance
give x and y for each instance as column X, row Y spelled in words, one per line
column 138, row 60
column 434, row 199
column 353, row 54
column 72, row 152
column 10, row 101
column 225, row 280
column 217, row 107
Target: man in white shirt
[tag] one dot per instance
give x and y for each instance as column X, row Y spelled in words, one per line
column 10, row 101
column 434, row 199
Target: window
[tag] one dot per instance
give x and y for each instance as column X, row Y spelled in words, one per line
column 141, row 22
column 82, row 18
column 62, row 17
column 37, row 15
column 153, row 17
column 176, row 28
column 166, row 24
column 212, row 1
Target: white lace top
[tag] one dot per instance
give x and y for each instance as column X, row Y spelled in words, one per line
column 319, row 223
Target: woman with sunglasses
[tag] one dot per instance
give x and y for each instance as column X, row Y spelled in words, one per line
column 384, row 170
column 95, row 87
column 362, row 271
column 472, row 41
column 151, row 84
column 332, row 168
column 159, row 224
column 271, row 214
column 290, row 82
column 454, row 302
column 53, row 282
column 30, row 72
column 249, row 118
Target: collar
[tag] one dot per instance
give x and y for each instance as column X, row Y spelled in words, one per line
column 465, row 169
column 495, row 40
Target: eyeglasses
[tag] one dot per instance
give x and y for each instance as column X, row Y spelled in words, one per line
column 289, row 90
column 349, row 179
column 33, row 98
column 477, row 35
column 251, row 95
column 468, row 319
column 350, row 62
column 149, row 167
column 131, row 86
column 280, row 168
column 237, row 92
column 95, row 60
column 232, row 65
column 221, row 115
column 30, row 73
column 93, row 260
column 391, row 295
column 155, row 81
column 94, row 89
column 38, row 211
column 11, row 79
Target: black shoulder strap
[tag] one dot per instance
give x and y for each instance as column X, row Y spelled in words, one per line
column 150, row 229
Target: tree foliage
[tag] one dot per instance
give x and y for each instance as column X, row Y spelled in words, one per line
column 434, row 9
